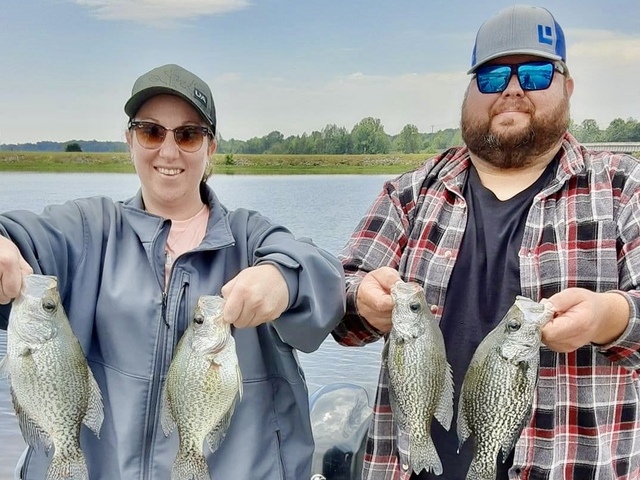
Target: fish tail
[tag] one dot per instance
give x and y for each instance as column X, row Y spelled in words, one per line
column 423, row 455
column 190, row 465
column 479, row 470
column 68, row 466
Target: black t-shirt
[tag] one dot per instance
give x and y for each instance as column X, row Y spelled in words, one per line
column 483, row 285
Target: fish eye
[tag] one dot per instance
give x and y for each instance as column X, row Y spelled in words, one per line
column 513, row 325
column 414, row 307
column 49, row 305
column 199, row 319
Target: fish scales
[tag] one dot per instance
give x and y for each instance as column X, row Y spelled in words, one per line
column 420, row 380
column 52, row 388
column 499, row 385
column 201, row 390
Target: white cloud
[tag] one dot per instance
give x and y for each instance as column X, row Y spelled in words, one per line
column 605, row 66
column 160, row 12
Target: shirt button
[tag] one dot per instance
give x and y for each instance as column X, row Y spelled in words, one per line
column 447, row 254
column 405, row 467
column 434, row 308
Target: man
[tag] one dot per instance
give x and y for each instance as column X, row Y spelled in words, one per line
column 522, row 209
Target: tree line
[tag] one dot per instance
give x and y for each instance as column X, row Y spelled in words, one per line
column 366, row 137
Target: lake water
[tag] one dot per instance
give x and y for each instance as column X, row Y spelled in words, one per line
column 325, row 208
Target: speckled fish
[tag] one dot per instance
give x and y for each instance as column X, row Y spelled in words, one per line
column 498, row 387
column 52, row 387
column 420, row 381
column 201, row 390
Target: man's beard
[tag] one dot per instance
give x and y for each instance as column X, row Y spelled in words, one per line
column 517, row 148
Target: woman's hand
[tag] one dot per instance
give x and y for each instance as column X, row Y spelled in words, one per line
column 255, row 296
column 12, row 268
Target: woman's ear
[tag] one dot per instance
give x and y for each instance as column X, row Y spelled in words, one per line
column 213, row 146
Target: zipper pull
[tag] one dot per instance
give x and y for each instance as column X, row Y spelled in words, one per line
column 164, row 309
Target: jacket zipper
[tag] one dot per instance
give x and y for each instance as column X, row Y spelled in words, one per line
column 155, row 391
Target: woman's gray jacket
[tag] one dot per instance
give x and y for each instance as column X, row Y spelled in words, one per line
column 109, row 260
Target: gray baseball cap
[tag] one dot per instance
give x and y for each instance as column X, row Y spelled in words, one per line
column 173, row 80
column 520, row 29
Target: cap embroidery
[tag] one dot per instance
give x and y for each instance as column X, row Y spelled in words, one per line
column 200, row 96
column 545, row 34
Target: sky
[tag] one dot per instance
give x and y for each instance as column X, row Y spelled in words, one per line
column 295, row 66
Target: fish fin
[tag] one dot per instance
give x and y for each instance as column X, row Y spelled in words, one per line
column 34, row 435
column 510, row 440
column 4, row 367
column 398, row 415
column 403, row 443
column 166, row 417
column 463, row 429
column 72, row 465
column 444, row 410
column 481, row 470
column 423, row 455
column 95, row 409
column 531, row 377
column 190, row 465
column 239, row 377
column 385, row 353
column 216, row 435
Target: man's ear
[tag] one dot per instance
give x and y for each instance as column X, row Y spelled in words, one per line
column 569, row 86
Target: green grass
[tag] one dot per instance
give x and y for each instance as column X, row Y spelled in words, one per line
column 226, row 164
column 221, row 163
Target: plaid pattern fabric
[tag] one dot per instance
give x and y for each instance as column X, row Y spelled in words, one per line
column 583, row 230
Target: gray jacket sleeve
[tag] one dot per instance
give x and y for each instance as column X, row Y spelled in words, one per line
column 52, row 242
column 315, row 279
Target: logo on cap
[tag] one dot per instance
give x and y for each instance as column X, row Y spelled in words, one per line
column 200, row 96
column 545, row 34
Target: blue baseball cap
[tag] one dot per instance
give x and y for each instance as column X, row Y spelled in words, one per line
column 520, row 29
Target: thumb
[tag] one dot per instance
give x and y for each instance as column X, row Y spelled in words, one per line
column 25, row 268
column 386, row 277
column 227, row 288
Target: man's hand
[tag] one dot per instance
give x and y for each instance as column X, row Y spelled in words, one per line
column 582, row 317
column 256, row 295
column 12, row 268
column 374, row 300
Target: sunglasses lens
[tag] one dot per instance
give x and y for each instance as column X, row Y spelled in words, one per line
column 535, row 75
column 531, row 75
column 150, row 135
column 493, row 78
column 189, row 139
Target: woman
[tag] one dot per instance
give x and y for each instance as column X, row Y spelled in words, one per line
column 130, row 274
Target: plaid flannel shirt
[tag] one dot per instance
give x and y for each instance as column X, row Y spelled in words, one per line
column 582, row 230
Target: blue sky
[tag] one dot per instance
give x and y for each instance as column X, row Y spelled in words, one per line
column 67, row 66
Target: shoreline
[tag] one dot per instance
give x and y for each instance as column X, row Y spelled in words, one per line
column 223, row 164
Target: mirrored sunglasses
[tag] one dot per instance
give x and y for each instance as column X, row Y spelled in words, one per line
column 188, row 137
column 531, row 75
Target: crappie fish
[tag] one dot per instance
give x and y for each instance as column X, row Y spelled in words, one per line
column 202, row 386
column 420, row 381
column 498, row 387
column 52, row 387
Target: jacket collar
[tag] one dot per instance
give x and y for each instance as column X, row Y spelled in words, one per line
column 150, row 228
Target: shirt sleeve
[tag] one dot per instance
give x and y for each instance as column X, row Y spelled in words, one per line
column 626, row 349
column 378, row 241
